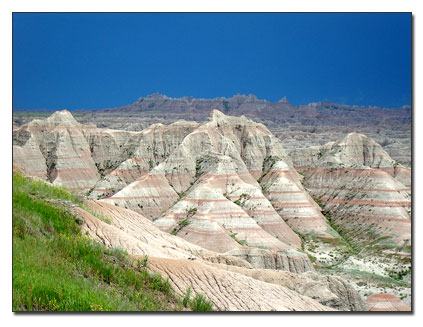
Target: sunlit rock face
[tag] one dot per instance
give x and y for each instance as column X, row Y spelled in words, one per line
column 207, row 192
column 365, row 192
column 56, row 149
column 86, row 158
column 354, row 150
column 226, row 184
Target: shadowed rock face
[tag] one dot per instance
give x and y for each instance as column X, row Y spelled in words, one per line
column 360, row 187
column 124, row 157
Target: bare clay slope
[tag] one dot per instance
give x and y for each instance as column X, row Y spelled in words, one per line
column 227, row 281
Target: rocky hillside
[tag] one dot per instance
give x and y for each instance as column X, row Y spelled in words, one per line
column 356, row 180
column 180, row 272
column 365, row 196
column 225, row 192
column 201, row 178
column 297, row 126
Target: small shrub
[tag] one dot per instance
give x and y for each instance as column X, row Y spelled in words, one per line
column 187, row 297
column 199, row 303
column 144, row 261
column 192, row 211
column 180, row 225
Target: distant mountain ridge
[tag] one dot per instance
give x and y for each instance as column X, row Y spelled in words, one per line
column 315, row 113
column 323, row 113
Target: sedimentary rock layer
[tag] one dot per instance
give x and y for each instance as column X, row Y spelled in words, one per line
column 331, row 291
column 136, row 234
column 386, row 302
column 292, row 202
column 206, row 192
column 57, row 150
column 86, row 158
column 230, row 291
column 205, row 272
column 359, row 186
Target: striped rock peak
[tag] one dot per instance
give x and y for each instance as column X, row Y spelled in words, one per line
column 208, row 183
column 221, row 196
column 282, row 187
column 61, row 118
column 221, row 212
column 360, row 187
column 246, row 142
column 62, row 149
column 84, row 158
column 253, row 141
column 354, row 150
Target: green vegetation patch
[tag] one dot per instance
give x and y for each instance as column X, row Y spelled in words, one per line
column 56, row 268
column 181, row 224
column 42, row 190
column 241, row 242
column 244, row 197
column 268, row 164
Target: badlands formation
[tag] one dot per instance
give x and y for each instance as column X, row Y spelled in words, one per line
column 220, row 206
column 361, row 187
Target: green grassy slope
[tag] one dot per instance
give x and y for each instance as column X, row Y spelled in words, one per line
column 56, row 268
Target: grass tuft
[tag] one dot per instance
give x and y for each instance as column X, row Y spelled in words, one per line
column 199, row 303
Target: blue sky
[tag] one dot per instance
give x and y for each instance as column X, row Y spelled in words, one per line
column 93, row 61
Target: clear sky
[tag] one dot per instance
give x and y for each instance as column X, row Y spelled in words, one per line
column 92, row 61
